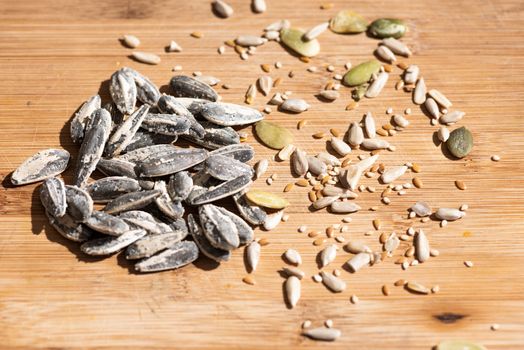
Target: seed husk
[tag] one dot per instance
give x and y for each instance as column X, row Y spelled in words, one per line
column 273, row 135
column 169, row 163
column 294, row 105
column 186, row 86
column 458, row 345
column 460, row 142
column 417, row 288
column 299, row 162
column 335, row 284
column 422, row 248
column 292, row 287
column 265, row 83
column 377, row 85
column 419, row 93
column 314, row 32
column 361, row 73
column 293, row 39
column 225, row 168
column 111, row 187
column 397, row 47
column 223, row 190
column 180, row 254
column 449, row 214
column 440, row 98
column 387, row 28
column 42, row 165
column 266, row 199
column 110, row 245
column 79, row 121
column 79, row 203
column 346, row 22
column 69, row 228
column 253, row 214
column 53, row 196
column 222, row 9
column 322, row 333
column 146, row 57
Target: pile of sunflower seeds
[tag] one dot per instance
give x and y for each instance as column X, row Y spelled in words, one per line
column 148, row 182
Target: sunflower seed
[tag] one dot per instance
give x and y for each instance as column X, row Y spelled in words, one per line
column 449, row 214
column 397, row 46
column 392, row 242
column 125, row 132
column 226, row 168
column 344, row 207
column 261, row 167
column 228, row 114
column 185, row 86
column 222, row 9
column 321, row 333
column 106, row 223
column 265, row 83
column 316, row 166
column 276, row 99
column 145, row 221
column 131, row 201
column 285, row 153
column 362, row 73
column 215, row 136
column 173, row 209
column 123, row 91
column 356, row 247
column 333, row 283
column 373, row 144
column 293, row 257
column 273, row 135
column 324, row 202
column 92, row 147
column 340, row 146
column 219, row 229
column 442, row 133
column 293, row 271
column 292, row 288
column 147, row 92
column 175, row 161
column 385, row 54
column 452, row 117
column 355, row 135
column 393, row 173
column 358, row 261
column 130, row 41
column 400, row 120
column 314, row 32
column 180, row 185
column 180, row 254
column 328, row 159
column 245, row 232
column 242, row 152
column 223, row 190
column 109, row 188
column 79, row 203
column 166, row 124
column 346, row 21
column 419, row 93
column 377, row 85
column 330, row 95
column 253, row 256
column 339, row 192
column 421, row 209
column 421, row 246
column 460, row 142
column 251, row 213
column 279, row 25
column 440, row 98
column 266, row 199
column 258, row 6
column 70, row 229
column 350, row 177
column 203, row 243
column 432, row 107
column 174, row 47
column 328, row 255
column 272, row 220
column 42, row 165
column 411, row 74
column 152, row 244
column 415, row 287
column 294, row 40
column 369, row 125
column 53, row 196
column 250, row 40
column 79, row 121
column 458, row 345
column 294, row 105
column 146, row 57
column 208, row 79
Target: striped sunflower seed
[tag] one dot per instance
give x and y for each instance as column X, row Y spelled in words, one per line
column 223, row 190
column 147, row 92
column 92, row 146
column 79, row 203
column 131, row 201
column 225, row 168
column 243, row 153
column 123, row 91
column 124, row 133
column 53, row 196
column 79, row 121
column 152, row 244
column 219, row 229
column 293, row 290
column 106, row 223
column 294, row 40
column 173, row 209
column 245, row 232
column 215, row 136
column 40, row 166
column 145, row 221
column 185, row 86
column 180, row 185
column 146, row 57
column 203, row 243
column 166, row 124
column 251, row 213
column 175, row 161
column 109, row 188
column 68, row 228
column 180, row 254
column 228, row 114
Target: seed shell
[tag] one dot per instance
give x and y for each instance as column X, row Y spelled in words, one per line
column 228, row 114
column 180, row 254
column 79, row 121
column 53, row 196
column 110, row 245
column 79, row 203
column 152, row 244
column 251, row 213
column 203, row 243
column 70, row 229
column 185, row 86
column 219, row 229
column 223, row 190
column 42, row 165
column 123, row 91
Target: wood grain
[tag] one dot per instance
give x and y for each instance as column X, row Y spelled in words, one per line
column 55, row 54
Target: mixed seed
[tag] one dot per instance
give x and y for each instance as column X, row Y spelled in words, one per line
column 149, row 183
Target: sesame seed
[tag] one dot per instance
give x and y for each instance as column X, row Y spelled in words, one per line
column 464, row 207
column 328, row 323
column 354, row 299
column 468, row 263
column 306, row 324
column 302, row 229
column 278, row 65
column 495, row 326
column 495, row 158
column 317, row 278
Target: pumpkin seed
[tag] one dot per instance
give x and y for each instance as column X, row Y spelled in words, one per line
column 459, row 345
column 387, row 28
column 273, row 135
column 266, row 199
column 42, row 165
column 362, row 73
column 293, row 39
column 460, row 142
column 346, row 22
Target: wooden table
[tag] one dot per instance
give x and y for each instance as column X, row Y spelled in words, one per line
column 55, row 54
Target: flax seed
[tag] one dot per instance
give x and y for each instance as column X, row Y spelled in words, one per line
column 385, row 290
column 305, row 59
column 354, row 299
column 263, row 242
column 319, row 241
column 334, row 132
column 417, row 182
column 197, row 35
column 377, row 224
column 265, row 67
column 313, row 234
column 330, row 231
column 460, row 185
column 302, row 183
column 351, row 106
column 416, row 168
column 249, row 280
column 319, row 135
column 402, row 65
column 289, row 187
column 400, row 282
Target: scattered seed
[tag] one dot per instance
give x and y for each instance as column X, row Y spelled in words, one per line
column 468, row 263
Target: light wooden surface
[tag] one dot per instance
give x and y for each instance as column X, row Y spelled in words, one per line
column 55, row 54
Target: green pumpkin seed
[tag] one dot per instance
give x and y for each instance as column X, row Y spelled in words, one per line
column 460, row 142
column 346, row 22
column 387, row 28
column 459, row 345
column 266, row 199
column 273, row 135
column 293, row 39
column 359, row 92
column 361, row 73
